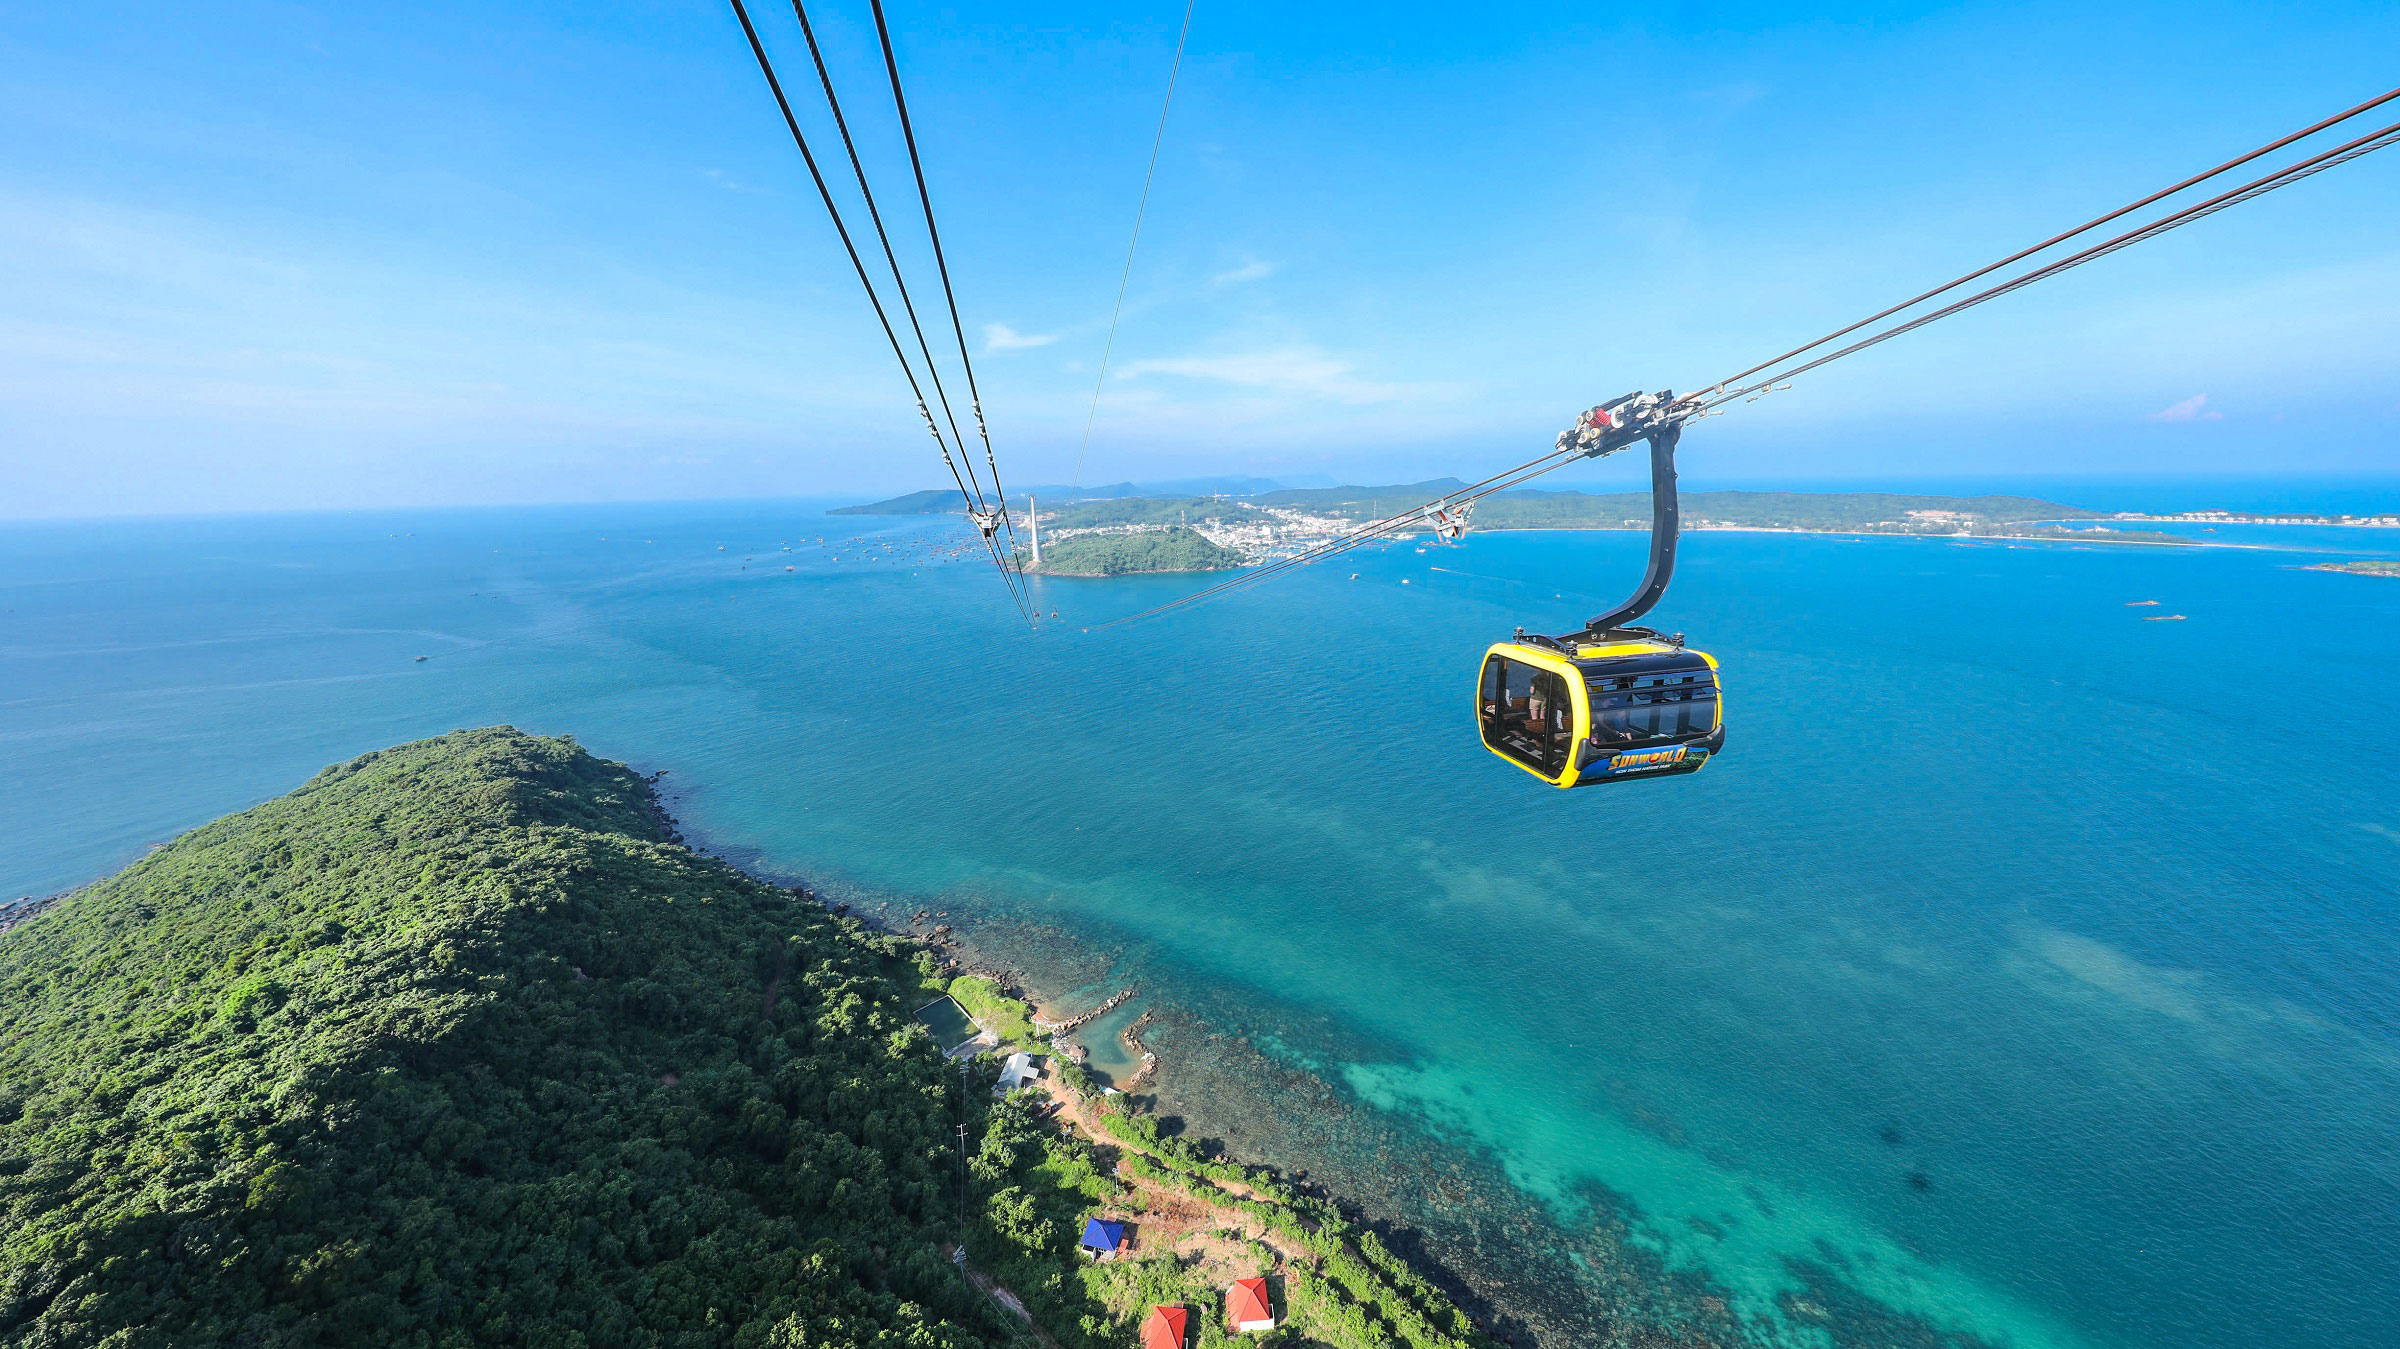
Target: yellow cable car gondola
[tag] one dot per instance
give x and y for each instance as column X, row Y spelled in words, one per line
column 1610, row 703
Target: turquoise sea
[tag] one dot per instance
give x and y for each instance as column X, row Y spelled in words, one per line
column 2024, row 971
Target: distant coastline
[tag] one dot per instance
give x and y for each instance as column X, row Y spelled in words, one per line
column 1118, row 535
column 1123, row 533
column 1711, row 527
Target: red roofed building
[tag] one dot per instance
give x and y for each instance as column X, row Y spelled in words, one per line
column 1246, row 1305
column 1165, row 1328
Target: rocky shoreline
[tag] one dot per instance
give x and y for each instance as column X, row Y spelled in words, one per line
column 954, row 959
column 24, row 907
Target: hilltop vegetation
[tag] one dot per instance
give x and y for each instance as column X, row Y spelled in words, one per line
column 456, row 1045
column 1154, row 550
column 453, row 1045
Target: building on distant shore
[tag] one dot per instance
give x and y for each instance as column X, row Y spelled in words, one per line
column 1247, row 1307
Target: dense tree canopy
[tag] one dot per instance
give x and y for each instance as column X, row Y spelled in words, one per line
column 454, row 1046
column 1173, row 548
column 457, row 1045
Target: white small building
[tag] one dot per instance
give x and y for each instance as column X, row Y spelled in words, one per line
column 1021, row 1070
column 1248, row 1307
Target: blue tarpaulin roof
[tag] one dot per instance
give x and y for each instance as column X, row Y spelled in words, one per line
column 1102, row 1236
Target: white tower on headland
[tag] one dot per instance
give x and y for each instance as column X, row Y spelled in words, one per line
column 1033, row 517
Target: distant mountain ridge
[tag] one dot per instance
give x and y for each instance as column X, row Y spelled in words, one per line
column 937, row 500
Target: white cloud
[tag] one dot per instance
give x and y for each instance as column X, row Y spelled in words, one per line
column 1248, row 271
column 2192, row 409
column 727, row 181
column 1001, row 337
column 1291, row 370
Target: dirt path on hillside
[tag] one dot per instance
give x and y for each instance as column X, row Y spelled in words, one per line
column 1015, row 1306
column 1174, row 1219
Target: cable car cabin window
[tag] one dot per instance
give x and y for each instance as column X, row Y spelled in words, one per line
column 1528, row 714
column 1642, row 709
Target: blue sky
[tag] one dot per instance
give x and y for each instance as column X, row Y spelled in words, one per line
column 275, row 256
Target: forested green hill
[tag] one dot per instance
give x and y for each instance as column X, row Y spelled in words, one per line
column 454, row 1046
column 457, row 1045
column 1154, row 550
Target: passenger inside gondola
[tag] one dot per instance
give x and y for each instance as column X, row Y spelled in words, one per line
column 1530, row 712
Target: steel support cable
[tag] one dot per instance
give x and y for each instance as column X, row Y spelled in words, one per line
column 1383, row 528
column 907, row 306
column 1143, row 208
column 1370, row 532
column 766, row 67
column 1535, row 468
column 2257, row 187
column 2083, row 228
column 908, row 132
column 1364, row 534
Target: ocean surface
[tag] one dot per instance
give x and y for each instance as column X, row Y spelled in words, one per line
column 2025, row 970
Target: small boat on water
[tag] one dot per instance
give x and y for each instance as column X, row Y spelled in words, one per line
column 2162, row 618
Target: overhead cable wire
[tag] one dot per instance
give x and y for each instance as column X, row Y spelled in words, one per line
column 1377, row 530
column 908, row 132
column 2085, row 227
column 1115, row 312
column 766, row 67
column 1373, row 532
column 908, row 306
column 1370, row 532
column 2257, row 187
column 1537, row 467
column 1534, row 468
column 1003, row 555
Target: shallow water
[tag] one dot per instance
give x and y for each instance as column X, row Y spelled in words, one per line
column 1109, row 1058
column 2023, row 966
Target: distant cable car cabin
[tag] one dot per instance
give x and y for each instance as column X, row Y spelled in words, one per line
column 1610, row 703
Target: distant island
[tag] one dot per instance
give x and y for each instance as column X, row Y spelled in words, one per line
column 459, row 1044
column 1169, row 548
column 1118, row 535
column 2376, row 567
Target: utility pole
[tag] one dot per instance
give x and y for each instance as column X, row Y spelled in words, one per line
column 1033, row 516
